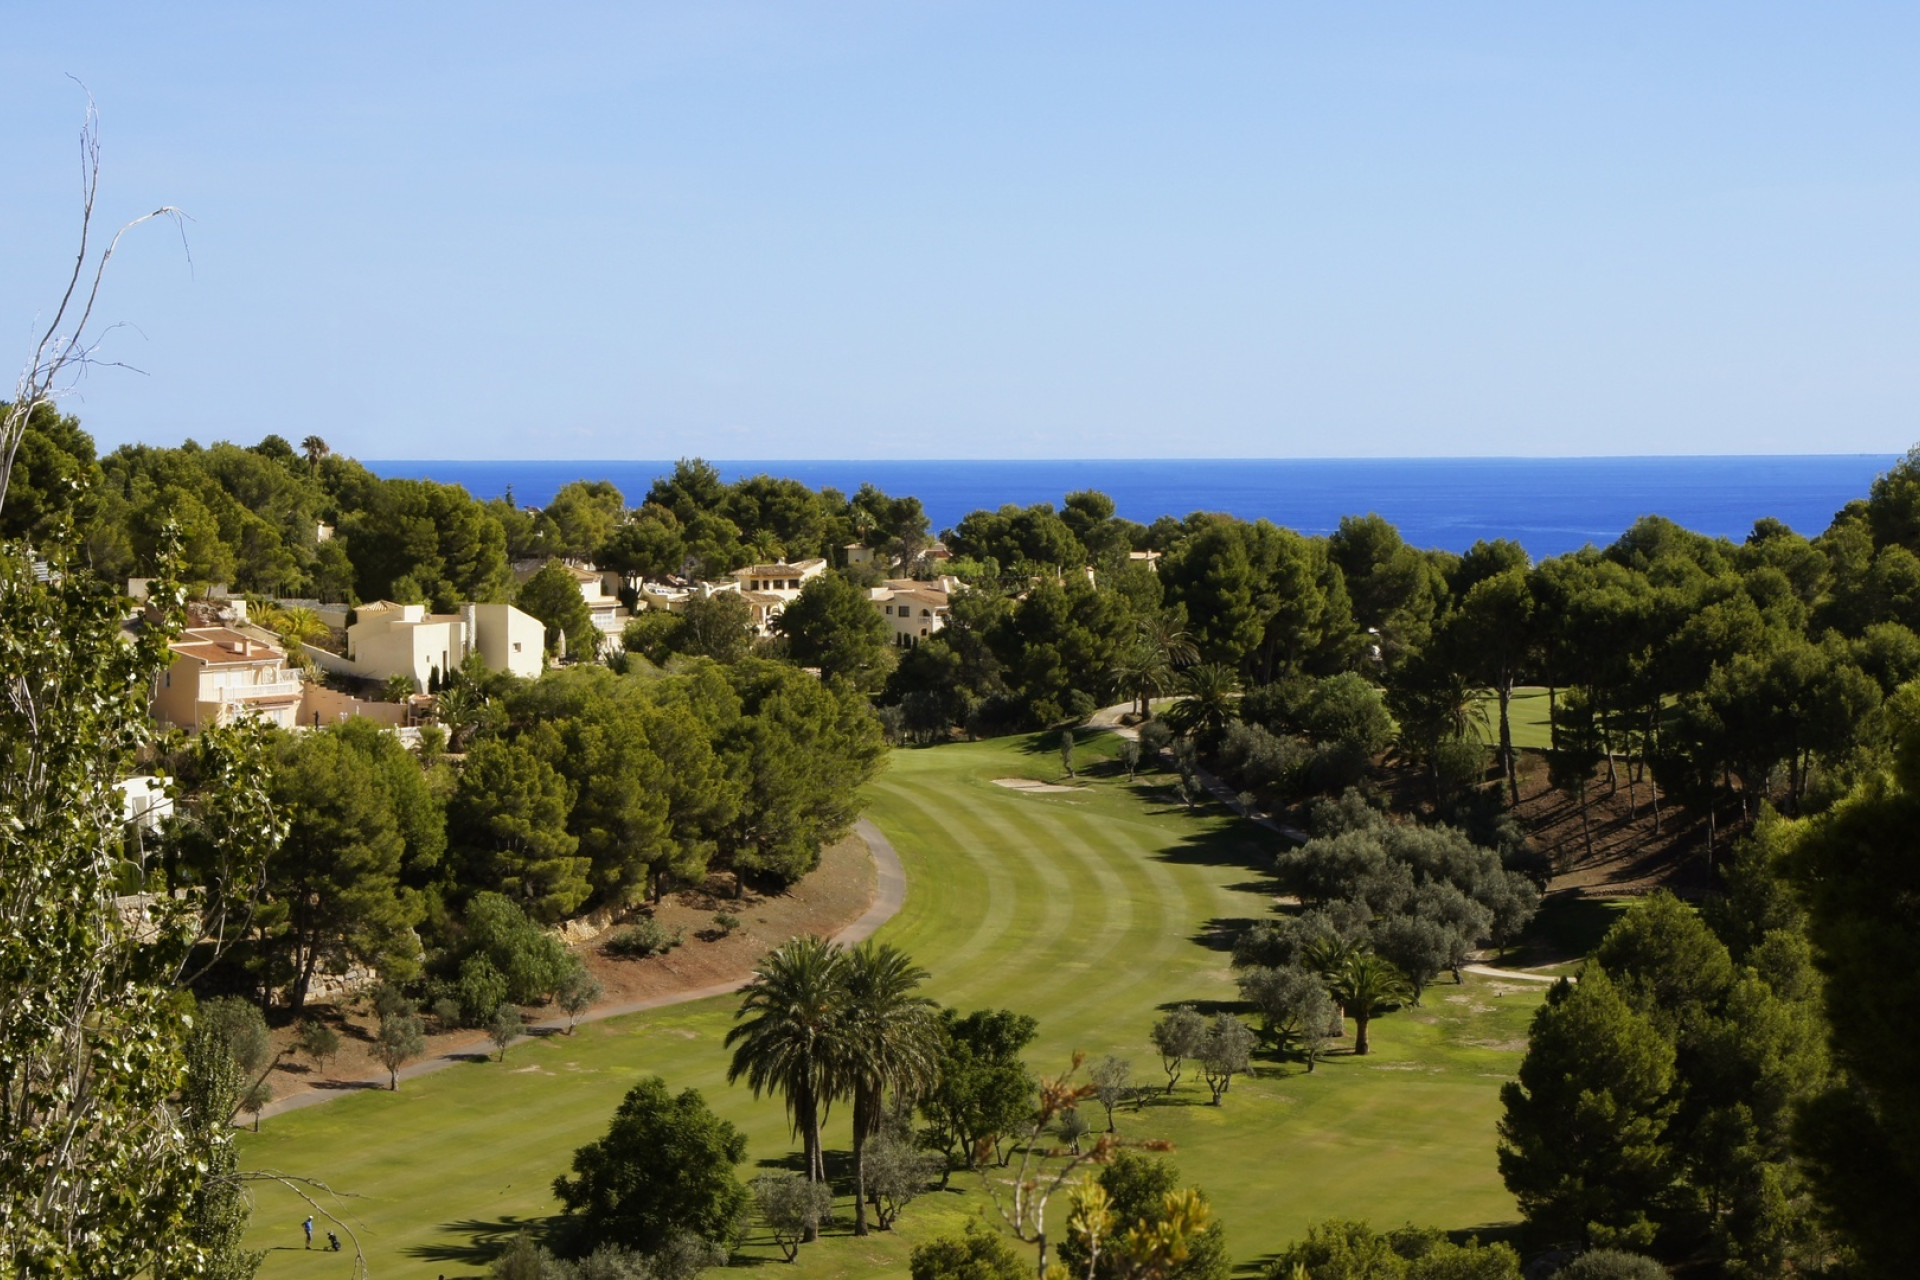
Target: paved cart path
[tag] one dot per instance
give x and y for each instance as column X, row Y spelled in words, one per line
column 890, row 893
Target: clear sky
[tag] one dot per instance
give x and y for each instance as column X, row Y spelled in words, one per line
column 968, row 230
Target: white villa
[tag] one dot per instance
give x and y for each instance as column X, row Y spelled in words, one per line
column 914, row 609
column 220, row 675
column 388, row 639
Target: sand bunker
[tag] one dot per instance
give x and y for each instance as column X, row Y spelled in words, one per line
column 1028, row 784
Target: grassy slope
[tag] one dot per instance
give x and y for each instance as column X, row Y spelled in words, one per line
column 1090, row 910
column 1527, row 713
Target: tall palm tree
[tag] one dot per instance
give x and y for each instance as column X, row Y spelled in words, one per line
column 1362, row 986
column 1206, row 705
column 890, row 1040
column 1141, row 672
column 316, row 450
column 789, row 1038
column 1165, row 637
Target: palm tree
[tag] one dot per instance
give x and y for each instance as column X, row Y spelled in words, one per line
column 1362, row 986
column 298, row 625
column 458, row 709
column 316, row 450
column 890, row 1040
column 1141, row 672
column 789, row 1038
column 1207, row 699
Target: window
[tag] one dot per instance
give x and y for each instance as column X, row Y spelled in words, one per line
column 516, row 646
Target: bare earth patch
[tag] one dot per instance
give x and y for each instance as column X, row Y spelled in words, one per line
column 823, row 902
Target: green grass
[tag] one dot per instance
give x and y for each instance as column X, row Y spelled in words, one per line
column 1090, row 910
column 1527, row 718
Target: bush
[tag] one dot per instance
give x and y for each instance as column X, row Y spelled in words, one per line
column 979, row 1254
column 483, row 989
column 533, row 961
column 1611, row 1264
column 724, row 922
column 644, row 938
column 446, row 1013
column 1336, row 1250
column 1154, row 737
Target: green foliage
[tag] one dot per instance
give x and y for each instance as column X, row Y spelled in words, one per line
column 577, row 993
column 534, row 962
column 1611, row 1264
column 1137, row 1185
column 807, row 747
column 400, row 1040
column 1177, row 1037
column 976, row 1254
column 665, row 1166
column 1854, row 871
column 1335, row 1250
column 482, row 989
column 215, row 1221
column 508, row 818
column 336, row 890
column 833, row 626
column 240, row 1028
column 553, row 596
column 792, row 1208
column 985, row 1090
column 1225, row 1051
column 505, row 1027
column 896, row 1172
column 645, row 937
column 94, row 1166
column 1582, row 1140
column 415, row 537
column 320, row 1042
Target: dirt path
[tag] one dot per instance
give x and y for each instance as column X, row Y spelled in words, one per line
column 1488, row 971
column 889, row 894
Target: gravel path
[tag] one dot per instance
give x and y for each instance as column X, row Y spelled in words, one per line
column 890, row 893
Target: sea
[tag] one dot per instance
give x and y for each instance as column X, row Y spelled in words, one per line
column 1548, row 505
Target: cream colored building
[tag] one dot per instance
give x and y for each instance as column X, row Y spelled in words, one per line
column 914, row 609
column 220, row 675
column 784, row 580
column 388, row 639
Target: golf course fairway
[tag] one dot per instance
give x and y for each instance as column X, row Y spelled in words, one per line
column 1090, row 909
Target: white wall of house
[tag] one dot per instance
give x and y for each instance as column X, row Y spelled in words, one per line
column 507, row 639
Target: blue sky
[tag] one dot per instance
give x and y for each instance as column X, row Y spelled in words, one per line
column 987, row 230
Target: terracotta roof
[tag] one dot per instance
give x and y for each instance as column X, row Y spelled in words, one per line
column 223, row 646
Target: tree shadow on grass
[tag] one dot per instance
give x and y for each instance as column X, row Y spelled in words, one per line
column 1209, row 1008
column 485, row 1239
column 1230, row 845
column 1221, row 932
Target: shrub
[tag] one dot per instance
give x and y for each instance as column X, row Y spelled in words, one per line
column 533, row 961
column 724, row 922
column 979, row 1254
column 483, row 989
column 1611, row 1264
column 446, row 1012
column 643, row 938
column 1154, row 737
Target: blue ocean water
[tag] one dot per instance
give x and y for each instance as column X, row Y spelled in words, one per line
column 1548, row 505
